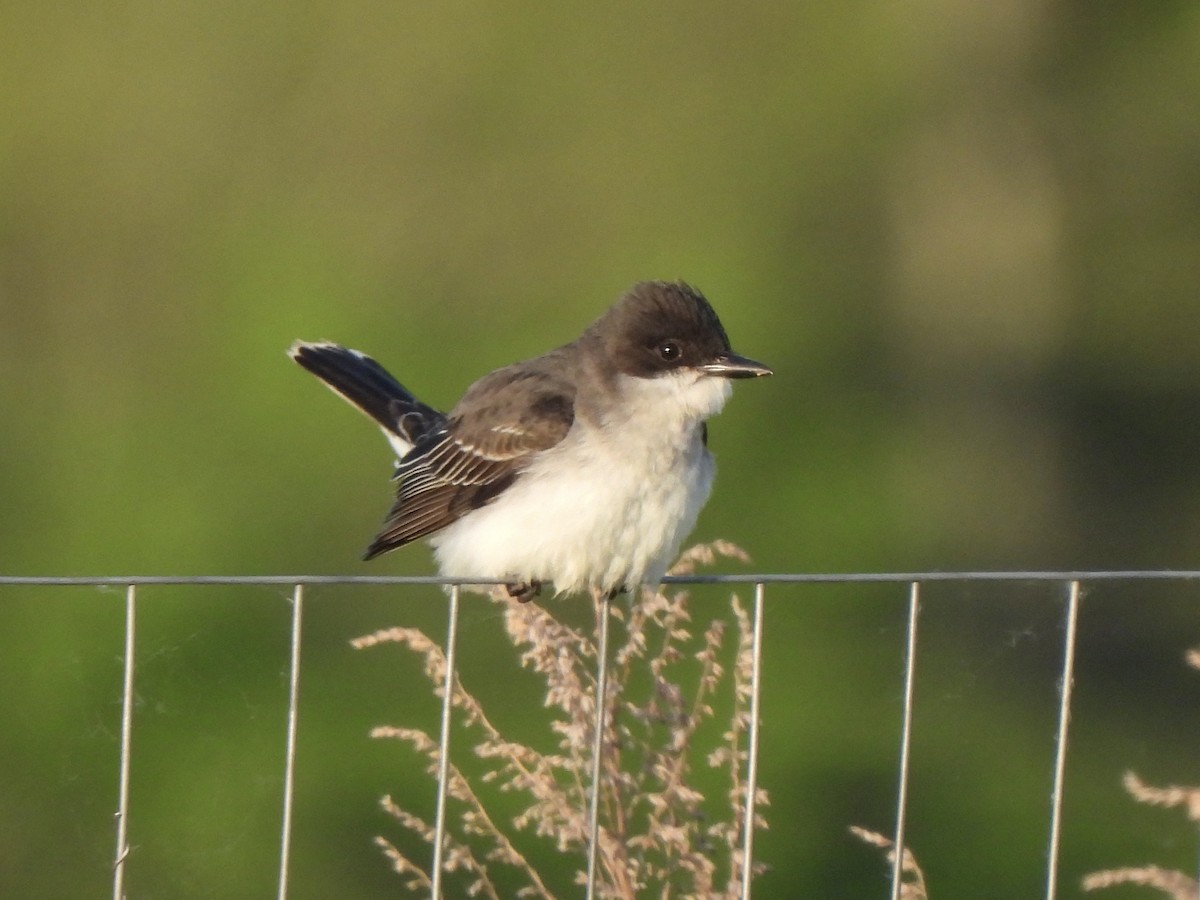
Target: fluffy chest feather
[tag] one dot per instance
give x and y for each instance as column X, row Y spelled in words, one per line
column 606, row 508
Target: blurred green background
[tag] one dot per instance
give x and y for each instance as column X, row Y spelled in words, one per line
column 965, row 235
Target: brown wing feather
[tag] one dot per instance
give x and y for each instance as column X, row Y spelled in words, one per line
column 488, row 441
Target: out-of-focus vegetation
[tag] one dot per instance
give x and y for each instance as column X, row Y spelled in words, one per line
column 965, row 235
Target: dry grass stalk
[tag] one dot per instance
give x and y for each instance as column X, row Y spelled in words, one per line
column 912, row 886
column 660, row 836
column 1169, row 797
column 1174, row 884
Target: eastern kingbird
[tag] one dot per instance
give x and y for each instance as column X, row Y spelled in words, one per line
column 586, row 466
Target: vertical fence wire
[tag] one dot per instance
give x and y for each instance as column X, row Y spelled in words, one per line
column 443, row 777
column 122, row 852
column 602, row 608
column 289, row 766
column 1060, row 754
column 752, row 750
column 910, row 670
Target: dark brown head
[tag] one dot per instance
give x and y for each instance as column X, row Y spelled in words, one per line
column 659, row 327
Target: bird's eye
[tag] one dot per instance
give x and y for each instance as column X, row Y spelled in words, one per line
column 669, row 351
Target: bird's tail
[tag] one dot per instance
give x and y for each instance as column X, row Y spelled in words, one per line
column 366, row 384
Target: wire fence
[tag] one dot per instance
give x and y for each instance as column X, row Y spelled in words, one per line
column 1071, row 583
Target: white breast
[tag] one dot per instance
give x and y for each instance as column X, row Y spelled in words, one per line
column 609, row 507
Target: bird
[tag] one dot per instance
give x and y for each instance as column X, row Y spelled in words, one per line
column 585, row 467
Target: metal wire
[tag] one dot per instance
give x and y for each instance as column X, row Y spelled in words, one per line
column 910, row 669
column 1064, row 575
column 752, row 749
column 1060, row 754
column 126, row 747
column 289, row 766
column 602, row 614
column 443, row 778
column 1074, row 580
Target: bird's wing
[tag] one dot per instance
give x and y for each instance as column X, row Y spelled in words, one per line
column 492, row 435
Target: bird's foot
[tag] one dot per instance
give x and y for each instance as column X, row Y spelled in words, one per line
column 523, row 591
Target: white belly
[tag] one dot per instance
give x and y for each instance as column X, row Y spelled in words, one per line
column 590, row 514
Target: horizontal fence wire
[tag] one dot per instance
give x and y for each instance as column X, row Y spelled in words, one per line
column 1072, row 581
column 1064, row 575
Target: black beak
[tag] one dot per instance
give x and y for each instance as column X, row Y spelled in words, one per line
column 730, row 365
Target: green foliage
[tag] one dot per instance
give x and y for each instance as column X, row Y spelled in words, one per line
column 965, row 236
